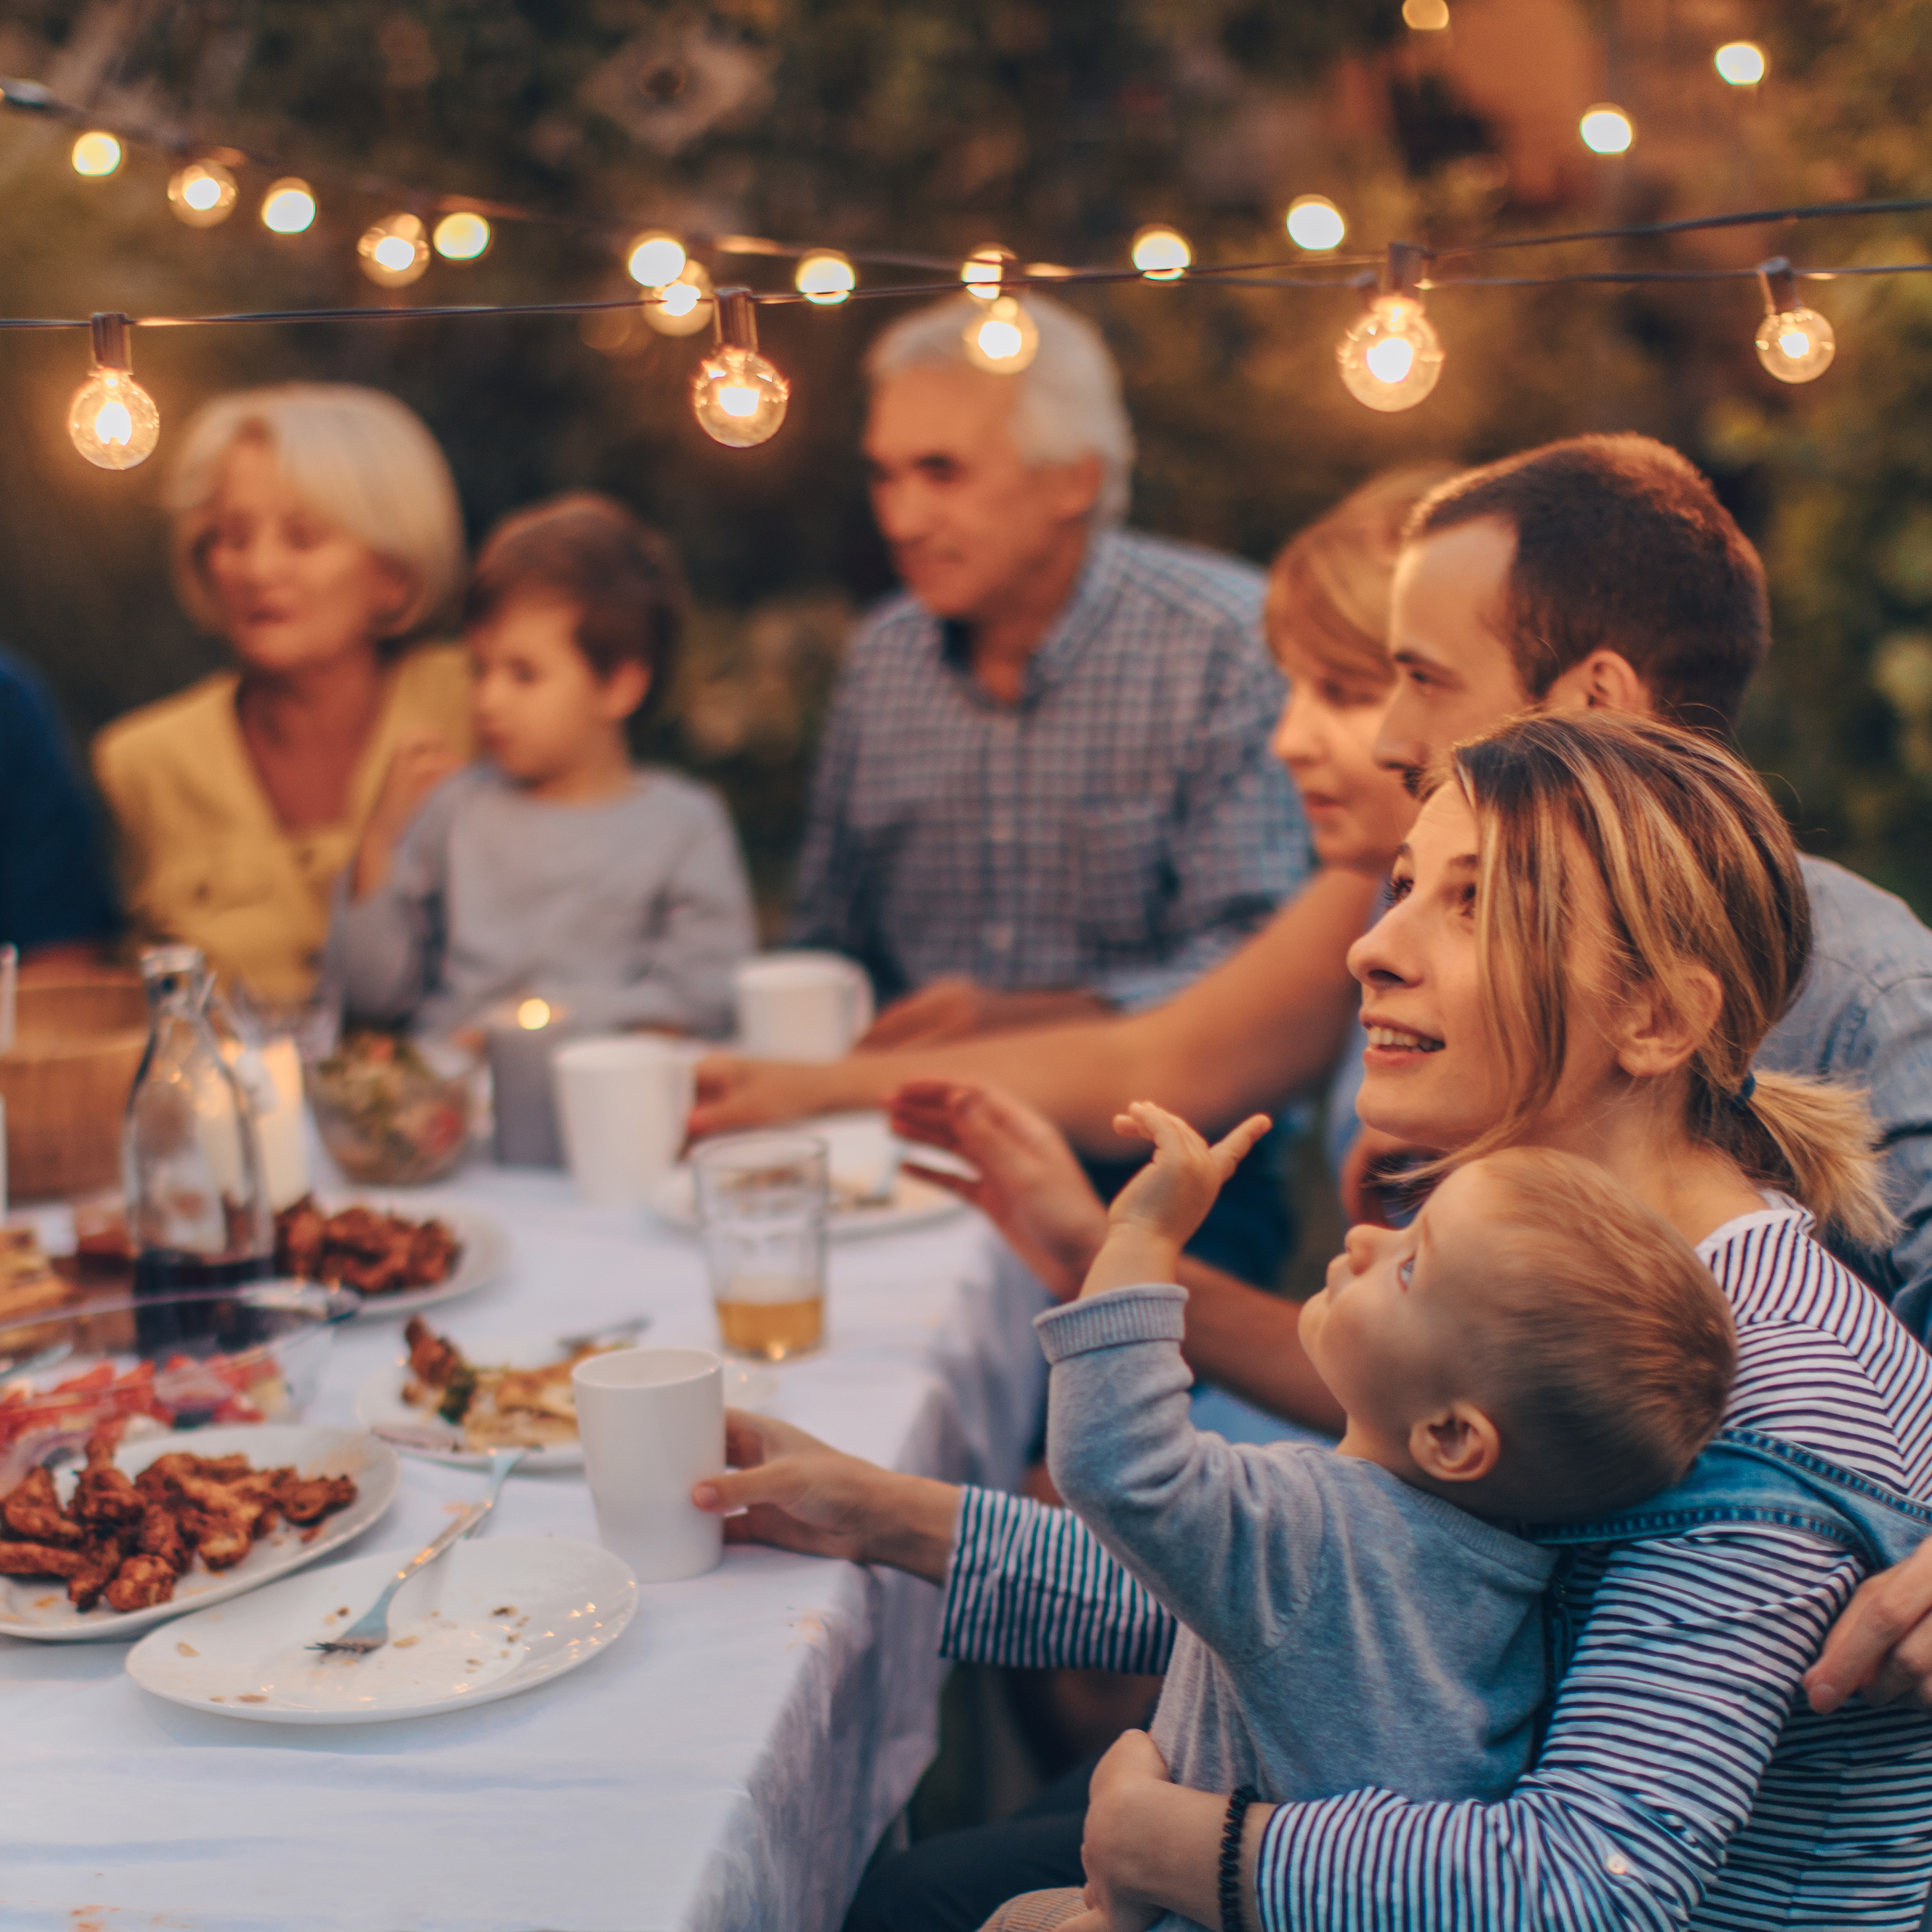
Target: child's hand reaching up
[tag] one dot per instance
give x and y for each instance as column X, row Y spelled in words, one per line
column 1155, row 1215
column 422, row 760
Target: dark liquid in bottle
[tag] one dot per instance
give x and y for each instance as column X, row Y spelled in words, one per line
column 197, row 1328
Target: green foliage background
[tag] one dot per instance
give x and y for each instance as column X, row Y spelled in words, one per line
column 1056, row 127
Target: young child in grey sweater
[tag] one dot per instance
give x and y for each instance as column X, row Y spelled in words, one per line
column 554, row 867
column 1536, row 1346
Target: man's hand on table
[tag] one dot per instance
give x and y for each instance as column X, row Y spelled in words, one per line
column 796, row 1493
column 733, row 1094
column 1030, row 1186
column 1882, row 1646
column 950, row 1009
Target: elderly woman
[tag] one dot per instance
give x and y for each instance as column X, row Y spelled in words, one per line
column 317, row 529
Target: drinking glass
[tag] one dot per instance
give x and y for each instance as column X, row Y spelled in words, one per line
column 761, row 1202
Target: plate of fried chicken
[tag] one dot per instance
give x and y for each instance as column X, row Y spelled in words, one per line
column 398, row 1259
column 177, row 1520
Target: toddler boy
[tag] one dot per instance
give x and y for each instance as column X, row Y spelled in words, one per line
column 1536, row 1347
column 555, row 866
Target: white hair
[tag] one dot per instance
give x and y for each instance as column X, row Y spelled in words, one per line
column 359, row 458
column 1067, row 401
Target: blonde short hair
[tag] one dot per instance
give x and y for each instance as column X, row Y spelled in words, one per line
column 361, row 459
column 1067, row 401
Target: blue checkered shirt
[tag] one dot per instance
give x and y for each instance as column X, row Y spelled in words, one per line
column 1120, row 829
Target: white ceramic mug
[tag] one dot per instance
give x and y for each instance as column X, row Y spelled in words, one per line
column 801, row 1005
column 652, row 1424
column 622, row 1104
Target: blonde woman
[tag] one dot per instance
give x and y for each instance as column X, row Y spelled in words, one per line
column 316, row 529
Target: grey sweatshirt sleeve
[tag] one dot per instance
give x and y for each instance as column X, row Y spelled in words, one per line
column 1229, row 1537
column 385, row 952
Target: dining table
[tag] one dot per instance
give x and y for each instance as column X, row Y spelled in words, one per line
column 728, row 1764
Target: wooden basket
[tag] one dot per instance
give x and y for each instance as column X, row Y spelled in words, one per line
column 77, row 1049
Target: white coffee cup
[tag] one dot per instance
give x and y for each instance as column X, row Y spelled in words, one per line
column 801, row 1005
column 652, row 1424
column 622, row 1104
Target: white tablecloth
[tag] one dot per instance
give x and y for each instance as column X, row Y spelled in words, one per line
column 729, row 1763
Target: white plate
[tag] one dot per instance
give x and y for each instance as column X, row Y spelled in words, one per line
column 379, row 1403
column 487, row 1620
column 486, row 1251
column 37, row 1607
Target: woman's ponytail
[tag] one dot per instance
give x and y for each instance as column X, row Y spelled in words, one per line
column 1813, row 1141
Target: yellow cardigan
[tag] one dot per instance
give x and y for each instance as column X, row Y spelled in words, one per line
column 205, row 861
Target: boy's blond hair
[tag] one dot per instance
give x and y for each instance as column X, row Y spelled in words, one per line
column 1608, row 1353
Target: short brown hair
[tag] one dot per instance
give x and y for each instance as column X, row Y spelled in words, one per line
column 1328, row 590
column 1621, row 544
column 1610, row 1353
column 588, row 550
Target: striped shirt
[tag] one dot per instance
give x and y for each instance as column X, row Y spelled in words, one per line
column 1120, row 829
column 1684, row 1781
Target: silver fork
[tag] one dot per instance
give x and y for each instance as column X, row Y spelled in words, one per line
column 371, row 1631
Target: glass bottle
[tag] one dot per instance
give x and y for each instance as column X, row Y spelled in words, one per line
column 198, row 1212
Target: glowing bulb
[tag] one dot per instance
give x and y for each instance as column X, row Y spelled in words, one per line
column 1606, row 130
column 682, row 307
column 113, row 420
column 95, row 154
column 1796, row 344
column 1741, row 62
column 655, row 258
column 201, row 193
column 395, row 251
column 288, row 206
column 739, row 397
column 1425, row 16
column 826, row 279
column 1390, row 357
column 981, row 271
column 1004, row 340
column 1162, row 254
column 462, row 236
column 533, row 1016
column 1316, row 223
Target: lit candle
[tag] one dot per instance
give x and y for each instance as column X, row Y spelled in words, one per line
column 522, row 1035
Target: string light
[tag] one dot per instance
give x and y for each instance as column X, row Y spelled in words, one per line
column 463, row 236
column 1425, row 16
column 112, row 421
column 1796, row 344
column 740, row 399
column 95, row 154
column 825, row 278
column 983, row 271
column 1316, row 223
column 654, row 258
column 682, row 307
column 1004, row 340
column 395, row 251
column 1162, row 254
column 1742, row 63
column 288, row 206
column 1606, row 130
column 201, row 193
column 1390, row 356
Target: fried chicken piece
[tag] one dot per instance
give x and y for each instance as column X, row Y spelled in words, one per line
column 300, row 1233
column 431, row 1254
column 32, row 1511
column 210, row 1469
column 100, row 1560
column 161, row 1536
column 141, row 1582
column 219, row 1539
column 306, row 1499
column 39, row 1559
column 434, row 1358
column 105, row 1499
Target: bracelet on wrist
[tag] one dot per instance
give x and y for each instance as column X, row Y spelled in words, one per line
column 1228, row 1875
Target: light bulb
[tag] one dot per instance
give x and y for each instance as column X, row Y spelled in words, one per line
column 982, row 271
column 1004, row 340
column 826, row 279
column 113, row 420
column 533, row 1014
column 739, row 397
column 1742, row 63
column 1390, row 356
column 1162, row 254
column 681, row 307
column 1606, row 130
column 288, row 206
column 462, row 236
column 1425, row 16
column 1796, row 344
column 201, row 193
column 96, row 153
column 395, row 251
column 1316, row 223
column 655, row 258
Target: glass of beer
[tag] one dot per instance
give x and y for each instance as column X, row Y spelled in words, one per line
column 761, row 1201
